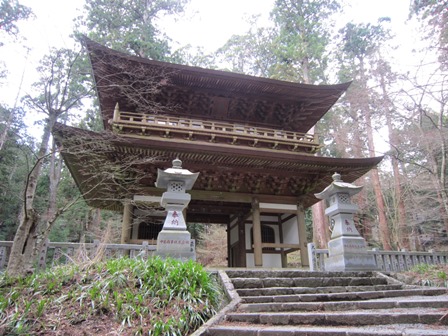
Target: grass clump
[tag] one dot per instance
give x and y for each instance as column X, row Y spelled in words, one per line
column 428, row 275
column 123, row 296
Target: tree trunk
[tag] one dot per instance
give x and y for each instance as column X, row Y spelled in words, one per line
column 55, row 178
column 321, row 232
column 402, row 227
column 25, row 245
column 4, row 134
column 365, row 223
column 443, row 159
column 381, row 208
column 320, row 226
column 358, row 145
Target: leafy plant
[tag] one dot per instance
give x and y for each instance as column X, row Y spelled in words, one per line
column 135, row 296
column 430, row 275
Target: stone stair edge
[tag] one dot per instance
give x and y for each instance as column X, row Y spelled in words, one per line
column 306, row 282
column 265, row 273
column 341, row 296
column 390, row 330
column 341, row 306
column 234, row 301
column 335, row 318
column 243, row 292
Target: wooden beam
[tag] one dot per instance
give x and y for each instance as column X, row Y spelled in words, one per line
column 284, row 246
column 278, row 208
column 203, row 195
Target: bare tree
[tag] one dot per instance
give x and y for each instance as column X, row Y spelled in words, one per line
column 59, row 91
column 425, row 104
column 107, row 173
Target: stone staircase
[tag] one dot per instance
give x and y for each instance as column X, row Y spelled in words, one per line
column 291, row 302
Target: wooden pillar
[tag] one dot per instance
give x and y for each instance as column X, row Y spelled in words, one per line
column 302, row 236
column 127, row 221
column 256, row 230
column 242, row 241
column 284, row 255
column 229, row 246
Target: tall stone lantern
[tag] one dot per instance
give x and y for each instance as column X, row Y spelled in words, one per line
column 174, row 240
column 347, row 249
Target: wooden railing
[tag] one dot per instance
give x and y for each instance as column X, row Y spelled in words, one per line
column 133, row 124
column 386, row 261
column 54, row 253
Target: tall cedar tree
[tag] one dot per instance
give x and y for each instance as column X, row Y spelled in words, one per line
column 359, row 44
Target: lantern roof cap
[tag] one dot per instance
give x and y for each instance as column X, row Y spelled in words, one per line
column 338, row 186
column 176, row 173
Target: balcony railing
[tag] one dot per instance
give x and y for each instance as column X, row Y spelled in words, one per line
column 137, row 124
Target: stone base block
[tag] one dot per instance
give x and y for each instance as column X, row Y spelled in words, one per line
column 171, row 241
column 350, row 262
column 350, row 245
column 349, row 254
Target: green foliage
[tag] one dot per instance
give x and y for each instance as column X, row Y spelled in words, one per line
column 303, row 35
column 435, row 18
column 309, row 224
column 251, row 54
column 134, row 296
column 361, row 40
column 193, row 56
column 421, row 268
column 63, row 83
column 129, row 25
column 431, row 275
column 196, row 230
column 295, row 49
column 92, row 120
column 15, row 156
column 12, row 11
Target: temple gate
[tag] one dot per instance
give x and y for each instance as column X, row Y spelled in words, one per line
column 246, row 137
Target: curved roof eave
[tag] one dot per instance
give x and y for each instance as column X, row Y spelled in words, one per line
column 305, row 103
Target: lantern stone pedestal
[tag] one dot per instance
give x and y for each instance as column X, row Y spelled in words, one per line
column 174, row 240
column 347, row 249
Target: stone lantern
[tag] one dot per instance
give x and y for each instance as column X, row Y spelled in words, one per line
column 174, row 240
column 347, row 249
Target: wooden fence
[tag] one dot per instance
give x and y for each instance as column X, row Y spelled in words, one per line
column 386, row 261
column 53, row 253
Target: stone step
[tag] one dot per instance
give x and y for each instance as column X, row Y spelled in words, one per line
column 307, row 282
column 313, row 290
column 245, row 273
column 341, row 305
column 344, row 296
column 387, row 330
column 276, row 303
column 343, row 318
